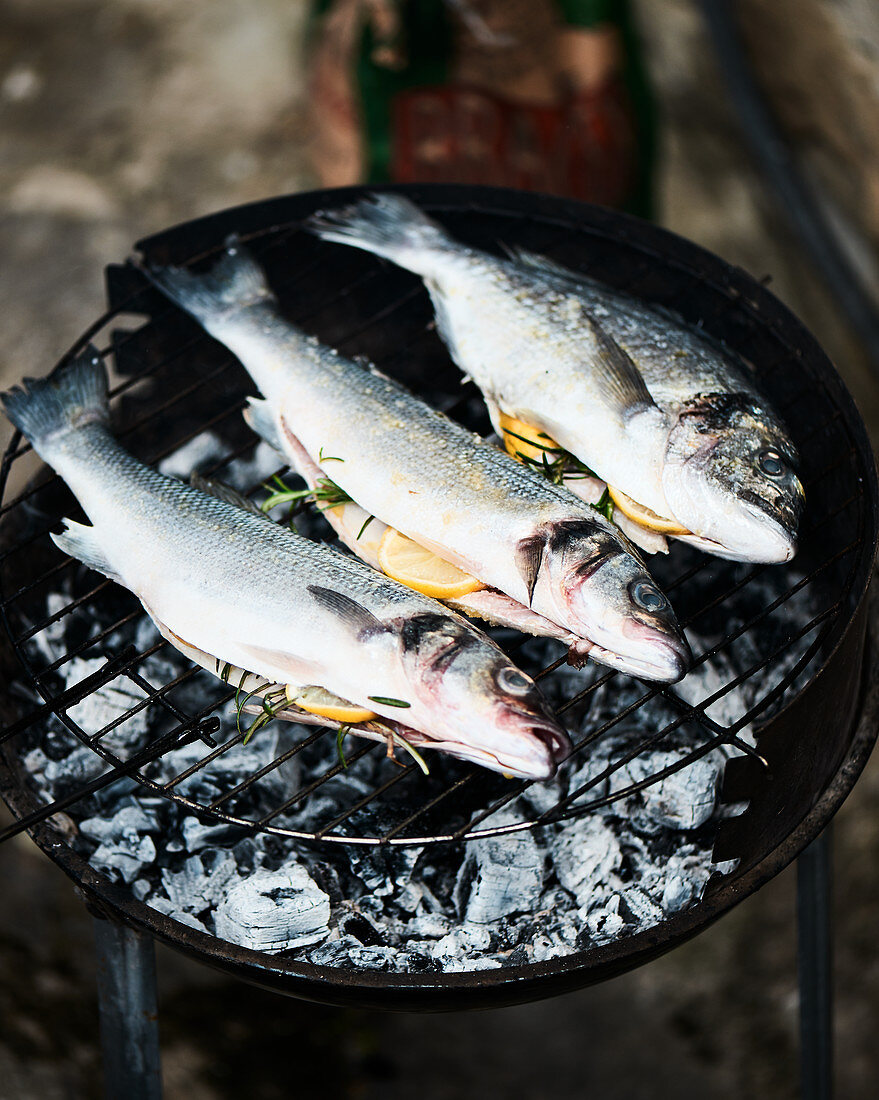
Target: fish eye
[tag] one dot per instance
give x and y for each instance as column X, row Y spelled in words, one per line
column 647, row 596
column 771, row 463
column 513, row 681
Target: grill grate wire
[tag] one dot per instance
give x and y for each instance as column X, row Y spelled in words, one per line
column 460, row 781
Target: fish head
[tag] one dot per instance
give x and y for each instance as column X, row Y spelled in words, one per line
column 730, row 477
column 479, row 705
column 607, row 593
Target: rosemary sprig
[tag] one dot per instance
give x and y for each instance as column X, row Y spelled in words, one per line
column 387, row 701
column 270, row 711
column 398, row 739
column 341, row 734
column 605, row 505
column 326, row 494
column 555, row 463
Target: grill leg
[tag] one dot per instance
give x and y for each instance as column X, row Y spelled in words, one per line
column 129, row 1019
column 814, row 962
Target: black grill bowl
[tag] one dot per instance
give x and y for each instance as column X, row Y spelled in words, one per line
column 175, row 382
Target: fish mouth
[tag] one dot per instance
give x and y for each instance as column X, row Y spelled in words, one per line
column 659, row 657
column 547, row 746
column 767, row 542
column 540, row 767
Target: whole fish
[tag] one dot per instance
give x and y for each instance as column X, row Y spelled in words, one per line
column 252, row 594
column 652, row 407
column 444, row 487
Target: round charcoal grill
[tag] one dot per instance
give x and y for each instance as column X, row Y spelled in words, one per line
column 803, row 672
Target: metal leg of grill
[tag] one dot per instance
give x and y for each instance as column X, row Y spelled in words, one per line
column 814, row 962
column 128, row 1008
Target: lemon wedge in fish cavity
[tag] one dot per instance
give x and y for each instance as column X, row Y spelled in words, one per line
column 522, row 440
column 317, row 700
column 644, row 516
column 404, row 560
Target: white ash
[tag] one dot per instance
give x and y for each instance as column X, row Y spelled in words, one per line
column 528, row 896
column 274, row 911
column 501, row 875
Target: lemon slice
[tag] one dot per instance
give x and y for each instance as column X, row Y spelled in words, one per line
column 317, row 700
column 644, row 516
column 523, row 440
column 406, row 561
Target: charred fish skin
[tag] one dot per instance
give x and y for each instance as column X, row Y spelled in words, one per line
column 416, row 470
column 265, row 599
column 618, row 384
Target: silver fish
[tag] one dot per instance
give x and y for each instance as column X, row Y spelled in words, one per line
column 652, row 407
column 250, row 593
column 446, row 488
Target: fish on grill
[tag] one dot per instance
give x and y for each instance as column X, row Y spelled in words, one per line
column 249, row 593
column 652, row 407
column 555, row 558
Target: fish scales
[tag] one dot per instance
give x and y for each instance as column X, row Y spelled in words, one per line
column 220, row 580
column 431, row 479
column 658, row 412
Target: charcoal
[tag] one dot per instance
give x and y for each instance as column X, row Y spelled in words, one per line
column 202, row 449
column 372, row 958
column 491, row 902
column 126, row 825
column 52, row 638
column 129, row 859
column 104, row 705
column 141, row 888
column 274, row 911
column 682, row 800
column 429, row 924
column 549, row 945
column 334, row 952
column 604, row 923
column 587, row 857
column 641, row 908
column 465, row 940
column 183, row 916
column 196, row 835
column 505, row 874
column 202, row 882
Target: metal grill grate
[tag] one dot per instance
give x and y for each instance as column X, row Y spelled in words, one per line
column 177, row 383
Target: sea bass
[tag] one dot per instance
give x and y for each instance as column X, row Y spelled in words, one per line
column 250, row 593
column 442, row 486
column 654, row 409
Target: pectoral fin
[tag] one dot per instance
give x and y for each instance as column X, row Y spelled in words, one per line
column 620, row 377
column 529, row 558
column 359, row 618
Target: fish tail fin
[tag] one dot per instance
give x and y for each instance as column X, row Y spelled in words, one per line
column 388, row 225
column 45, row 408
column 234, row 282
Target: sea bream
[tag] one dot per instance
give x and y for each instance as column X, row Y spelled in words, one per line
column 444, row 487
column 653, row 408
column 252, row 594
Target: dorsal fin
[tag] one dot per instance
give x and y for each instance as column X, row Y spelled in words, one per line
column 543, row 264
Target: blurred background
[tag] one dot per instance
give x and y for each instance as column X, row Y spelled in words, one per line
column 121, row 117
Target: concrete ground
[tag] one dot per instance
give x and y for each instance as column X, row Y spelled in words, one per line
column 119, row 118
